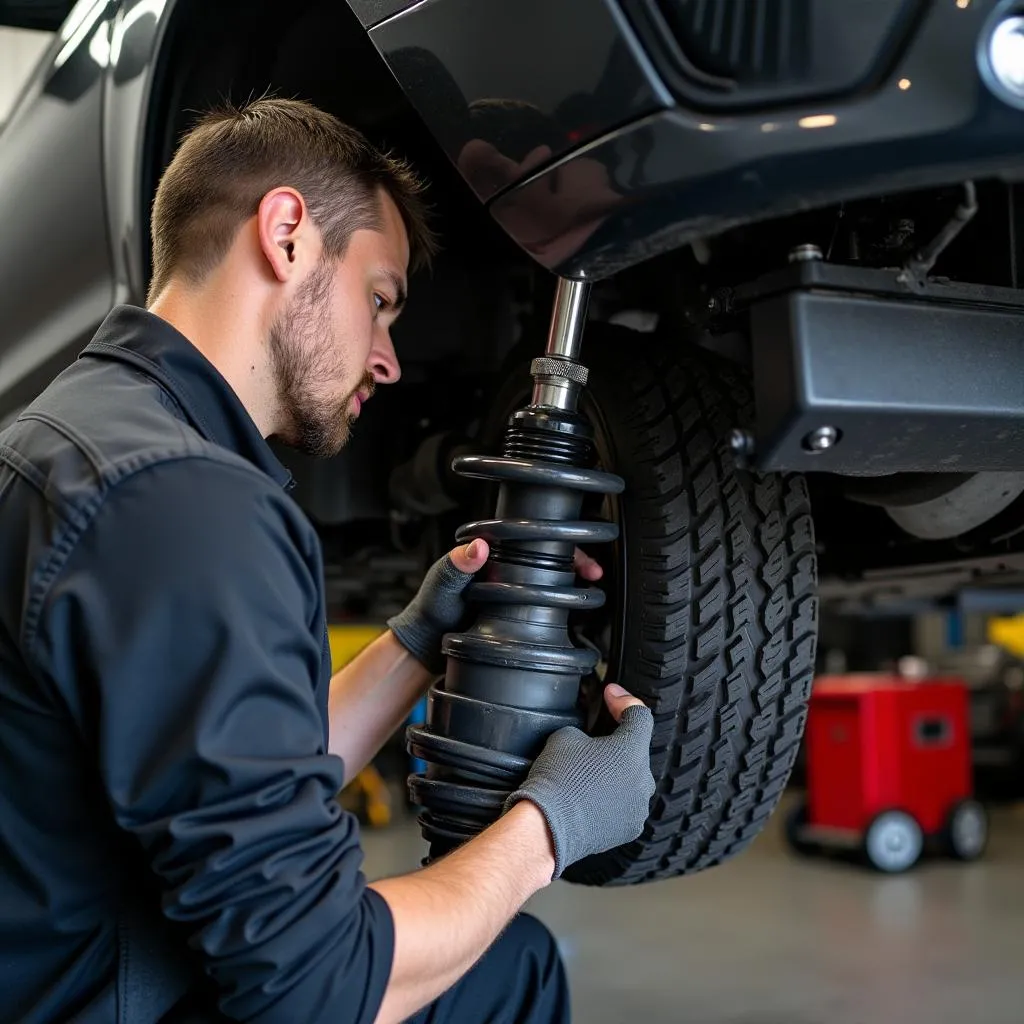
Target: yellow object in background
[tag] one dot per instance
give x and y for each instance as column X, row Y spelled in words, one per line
column 347, row 641
column 1008, row 633
column 367, row 794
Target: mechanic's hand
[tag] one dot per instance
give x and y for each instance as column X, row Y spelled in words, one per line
column 586, row 566
column 438, row 607
column 594, row 792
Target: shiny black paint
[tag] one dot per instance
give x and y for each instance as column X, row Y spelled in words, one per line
column 56, row 278
column 678, row 175
column 506, row 85
column 675, row 174
column 371, row 12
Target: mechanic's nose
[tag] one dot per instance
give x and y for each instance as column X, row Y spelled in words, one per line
column 384, row 362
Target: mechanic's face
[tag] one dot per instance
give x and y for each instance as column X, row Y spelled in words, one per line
column 332, row 346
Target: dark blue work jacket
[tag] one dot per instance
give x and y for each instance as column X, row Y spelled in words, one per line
column 171, row 848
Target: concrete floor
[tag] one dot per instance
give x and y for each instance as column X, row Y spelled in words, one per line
column 772, row 939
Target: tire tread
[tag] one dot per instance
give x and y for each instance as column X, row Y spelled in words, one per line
column 722, row 643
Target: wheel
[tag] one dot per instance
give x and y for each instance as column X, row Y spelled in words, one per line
column 796, row 819
column 711, row 615
column 966, row 833
column 893, row 842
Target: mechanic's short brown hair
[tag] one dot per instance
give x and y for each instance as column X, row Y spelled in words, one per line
column 235, row 155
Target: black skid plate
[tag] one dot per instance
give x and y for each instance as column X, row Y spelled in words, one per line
column 926, row 379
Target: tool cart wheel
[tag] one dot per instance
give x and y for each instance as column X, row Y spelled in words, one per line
column 796, row 819
column 966, row 834
column 711, row 611
column 893, row 842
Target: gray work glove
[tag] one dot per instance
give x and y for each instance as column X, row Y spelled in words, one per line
column 438, row 607
column 594, row 791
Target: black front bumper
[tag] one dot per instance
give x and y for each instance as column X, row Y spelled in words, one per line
column 600, row 137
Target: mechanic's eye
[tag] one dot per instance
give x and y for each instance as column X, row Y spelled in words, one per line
column 380, row 302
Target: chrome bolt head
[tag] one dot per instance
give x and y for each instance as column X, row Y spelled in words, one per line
column 805, row 254
column 821, row 440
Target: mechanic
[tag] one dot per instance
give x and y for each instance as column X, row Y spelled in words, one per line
column 171, row 739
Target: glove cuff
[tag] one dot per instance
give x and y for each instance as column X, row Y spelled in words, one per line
column 421, row 643
column 550, row 801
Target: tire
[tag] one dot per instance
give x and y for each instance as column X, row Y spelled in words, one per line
column 796, row 819
column 965, row 836
column 712, row 603
column 893, row 842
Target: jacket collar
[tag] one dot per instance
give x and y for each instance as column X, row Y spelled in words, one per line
column 134, row 335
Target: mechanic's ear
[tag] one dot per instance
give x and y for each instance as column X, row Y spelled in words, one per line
column 281, row 223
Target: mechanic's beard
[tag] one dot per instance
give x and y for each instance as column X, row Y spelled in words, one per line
column 304, row 357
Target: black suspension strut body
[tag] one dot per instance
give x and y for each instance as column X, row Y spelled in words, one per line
column 513, row 677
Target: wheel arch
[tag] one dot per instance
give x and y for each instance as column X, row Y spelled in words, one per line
column 134, row 93
column 172, row 58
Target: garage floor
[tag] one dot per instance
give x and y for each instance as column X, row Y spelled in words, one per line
column 771, row 939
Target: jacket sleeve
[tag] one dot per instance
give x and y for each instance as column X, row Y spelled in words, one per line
column 183, row 629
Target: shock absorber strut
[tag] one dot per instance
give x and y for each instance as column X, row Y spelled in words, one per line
column 514, row 676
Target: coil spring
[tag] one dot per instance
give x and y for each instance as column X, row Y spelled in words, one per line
column 512, row 678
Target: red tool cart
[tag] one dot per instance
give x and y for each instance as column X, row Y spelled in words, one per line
column 888, row 769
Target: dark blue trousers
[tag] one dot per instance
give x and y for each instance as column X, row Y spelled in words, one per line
column 519, row 980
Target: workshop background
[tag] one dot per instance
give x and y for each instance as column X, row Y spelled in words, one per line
column 799, row 929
